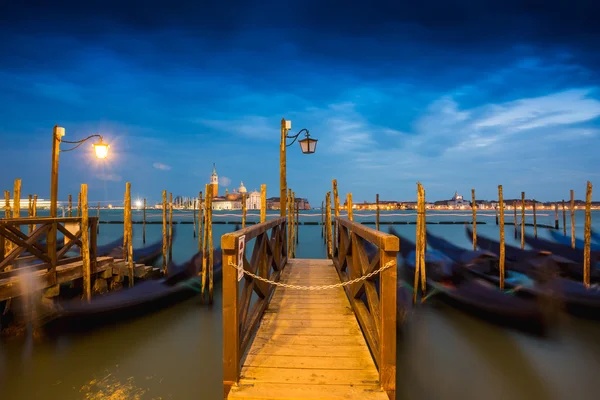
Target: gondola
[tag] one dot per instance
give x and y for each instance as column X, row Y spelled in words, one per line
column 595, row 236
column 566, row 241
column 181, row 283
column 458, row 288
column 577, row 299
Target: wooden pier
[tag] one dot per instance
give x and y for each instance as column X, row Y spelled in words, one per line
column 298, row 328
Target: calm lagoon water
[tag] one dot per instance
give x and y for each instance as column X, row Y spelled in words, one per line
column 176, row 353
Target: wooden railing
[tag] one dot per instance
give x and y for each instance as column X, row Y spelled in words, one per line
column 240, row 315
column 21, row 252
column 374, row 299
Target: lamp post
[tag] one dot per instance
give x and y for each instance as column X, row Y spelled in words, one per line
column 308, row 145
column 101, row 151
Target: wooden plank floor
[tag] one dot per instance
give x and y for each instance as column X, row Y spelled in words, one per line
column 309, row 344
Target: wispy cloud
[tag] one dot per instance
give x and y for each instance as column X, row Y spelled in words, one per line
column 109, row 177
column 161, row 166
column 252, row 126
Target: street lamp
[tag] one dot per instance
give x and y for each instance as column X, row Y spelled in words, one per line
column 101, row 151
column 308, row 145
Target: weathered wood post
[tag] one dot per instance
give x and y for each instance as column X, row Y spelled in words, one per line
column 522, row 220
column 297, row 223
column 474, row 208
column 29, row 213
column 209, row 243
column 70, row 206
column 515, row 219
column 587, row 231
column 17, row 199
column 564, row 214
column 85, row 246
column 231, row 313
column 572, row 205
column 336, row 210
column 200, row 222
column 349, row 202
column 263, row 203
column 290, row 223
column 128, row 232
column 555, row 215
column 502, row 249
column 328, row 223
column 377, row 211
column 322, row 220
column 144, row 223
column 98, row 215
column 421, row 245
column 207, row 205
column 194, row 215
column 34, row 209
column 165, row 243
column 7, row 244
column 534, row 219
column 170, row 238
column 79, row 205
column 244, row 210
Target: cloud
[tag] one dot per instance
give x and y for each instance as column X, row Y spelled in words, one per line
column 253, row 126
column 161, row 166
column 224, row 181
column 109, row 177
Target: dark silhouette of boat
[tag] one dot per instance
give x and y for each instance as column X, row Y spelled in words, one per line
column 457, row 287
column 566, row 241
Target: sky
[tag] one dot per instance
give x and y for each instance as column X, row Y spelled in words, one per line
column 453, row 94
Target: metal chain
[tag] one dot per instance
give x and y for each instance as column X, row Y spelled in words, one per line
column 322, row 287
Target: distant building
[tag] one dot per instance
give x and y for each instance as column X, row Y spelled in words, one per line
column 214, row 181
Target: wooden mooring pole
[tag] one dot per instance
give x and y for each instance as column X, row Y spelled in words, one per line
column 70, row 206
column 587, row 232
column 34, row 209
column 420, row 245
column 200, row 222
column 79, row 205
column 7, row 243
column 194, row 215
column 349, row 205
column 208, row 244
column 522, row 220
column 336, row 213
column 556, row 216
column 564, row 214
column 474, row 208
column 85, row 246
column 515, row 219
column 263, row 203
column 297, row 223
column 572, row 206
column 98, row 215
column 534, row 219
column 243, row 210
column 144, row 223
column 165, row 243
column 328, row 223
column 377, row 211
column 502, row 249
column 170, row 238
column 29, row 213
column 322, row 220
column 128, row 232
column 17, row 199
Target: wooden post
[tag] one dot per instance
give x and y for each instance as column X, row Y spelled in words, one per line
column 263, row 203
column 522, row 220
column 208, row 246
column 421, row 244
column 555, row 215
column 377, row 211
column 200, row 221
column 336, row 208
column 85, row 246
column 515, row 223
column 17, row 199
column 349, row 203
column 98, row 223
column 70, row 205
column 496, row 215
column 572, row 205
column 564, row 213
column 170, row 238
column 34, row 209
column 244, row 208
column 502, row 249
column 534, row 219
column 144, row 223
column 29, row 213
column 328, row 223
column 79, row 205
column 322, row 220
column 290, row 223
column 282, row 170
column 7, row 243
column 207, row 205
column 474, row 208
column 129, row 231
column 194, row 215
column 587, row 231
column 165, row 243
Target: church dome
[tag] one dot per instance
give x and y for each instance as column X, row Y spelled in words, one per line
column 231, row 196
column 242, row 188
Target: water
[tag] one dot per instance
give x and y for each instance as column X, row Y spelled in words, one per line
column 176, row 353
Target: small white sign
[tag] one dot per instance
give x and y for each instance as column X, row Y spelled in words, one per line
column 241, row 250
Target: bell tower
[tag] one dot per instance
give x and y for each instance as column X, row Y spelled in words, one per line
column 214, row 180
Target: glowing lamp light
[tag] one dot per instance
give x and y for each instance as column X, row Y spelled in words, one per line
column 308, row 144
column 101, row 149
column 138, row 203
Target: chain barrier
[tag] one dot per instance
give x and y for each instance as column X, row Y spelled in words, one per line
column 310, row 288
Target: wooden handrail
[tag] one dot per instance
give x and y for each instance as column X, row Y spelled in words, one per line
column 373, row 300
column 240, row 316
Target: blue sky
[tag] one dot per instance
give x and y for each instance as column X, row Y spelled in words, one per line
column 456, row 95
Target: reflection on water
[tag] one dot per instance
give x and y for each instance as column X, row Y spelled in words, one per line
column 177, row 353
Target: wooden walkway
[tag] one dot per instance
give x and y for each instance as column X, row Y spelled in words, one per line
column 309, row 344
